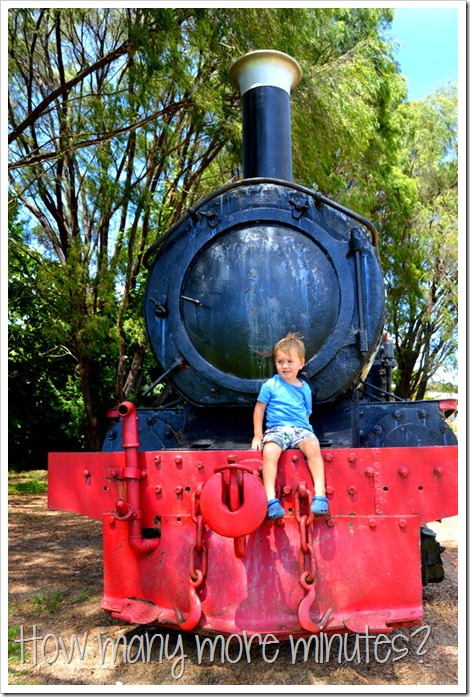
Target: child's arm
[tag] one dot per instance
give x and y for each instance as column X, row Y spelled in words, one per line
column 258, row 416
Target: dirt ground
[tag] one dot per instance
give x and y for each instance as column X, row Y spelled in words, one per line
column 55, row 584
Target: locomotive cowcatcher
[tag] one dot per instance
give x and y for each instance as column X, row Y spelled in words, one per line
column 186, row 542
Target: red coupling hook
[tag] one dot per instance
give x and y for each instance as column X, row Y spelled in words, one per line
column 195, row 607
column 303, row 614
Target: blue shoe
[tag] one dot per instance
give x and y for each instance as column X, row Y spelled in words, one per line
column 319, row 505
column 275, row 510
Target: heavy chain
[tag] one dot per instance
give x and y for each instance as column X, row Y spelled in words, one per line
column 306, row 561
column 198, row 550
column 306, row 557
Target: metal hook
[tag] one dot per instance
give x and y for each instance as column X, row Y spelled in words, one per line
column 195, row 607
column 303, row 613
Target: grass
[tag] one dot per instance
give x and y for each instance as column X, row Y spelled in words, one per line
column 45, row 603
column 17, row 675
column 33, row 482
column 41, row 604
column 84, row 595
column 14, row 647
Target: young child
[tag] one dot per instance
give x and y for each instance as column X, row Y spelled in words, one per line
column 287, row 402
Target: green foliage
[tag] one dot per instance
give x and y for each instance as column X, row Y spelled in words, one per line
column 418, row 219
column 14, row 646
column 47, row 602
column 44, row 391
column 149, row 125
column 121, row 118
column 30, row 482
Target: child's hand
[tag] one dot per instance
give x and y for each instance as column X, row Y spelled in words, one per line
column 256, row 442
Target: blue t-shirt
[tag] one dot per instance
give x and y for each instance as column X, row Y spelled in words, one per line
column 286, row 404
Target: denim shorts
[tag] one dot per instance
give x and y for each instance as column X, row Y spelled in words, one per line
column 286, row 436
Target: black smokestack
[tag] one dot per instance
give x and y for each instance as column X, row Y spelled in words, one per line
column 265, row 79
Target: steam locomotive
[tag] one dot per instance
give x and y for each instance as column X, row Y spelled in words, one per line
column 179, row 491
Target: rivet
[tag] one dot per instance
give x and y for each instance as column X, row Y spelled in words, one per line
column 86, row 473
column 157, row 460
column 232, row 459
column 286, row 490
column 329, row 490
column 143, row 474
column 438, row 471
column 178, row 460
column 402, row 524
column 372, row 523
column 352, row 490
column 295, row 459
column 403, row 471
column 352, row 457
column 113, row 474
column 369, row 471
column 330, row 522
column 328, row 457
column 200, row 466
column 158, row 489
column 179, row 489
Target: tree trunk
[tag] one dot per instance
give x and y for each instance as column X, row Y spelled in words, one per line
column 92, row 422
column 405, row 372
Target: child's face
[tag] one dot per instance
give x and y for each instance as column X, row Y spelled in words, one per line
column 288, row 365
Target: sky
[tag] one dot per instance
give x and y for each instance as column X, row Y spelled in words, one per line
column 429, row 50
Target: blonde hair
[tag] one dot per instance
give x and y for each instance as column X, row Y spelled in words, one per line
column 290, row 343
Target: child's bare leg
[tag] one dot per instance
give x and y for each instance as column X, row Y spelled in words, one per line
column 271, row 454
column 310, row 447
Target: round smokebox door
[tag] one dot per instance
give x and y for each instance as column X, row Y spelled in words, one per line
column 264, row 281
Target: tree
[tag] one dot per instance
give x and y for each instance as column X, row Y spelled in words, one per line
column 418, row 217
column 102, row 136
column 351, row 87
column 43, row 389
column 120, row 118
